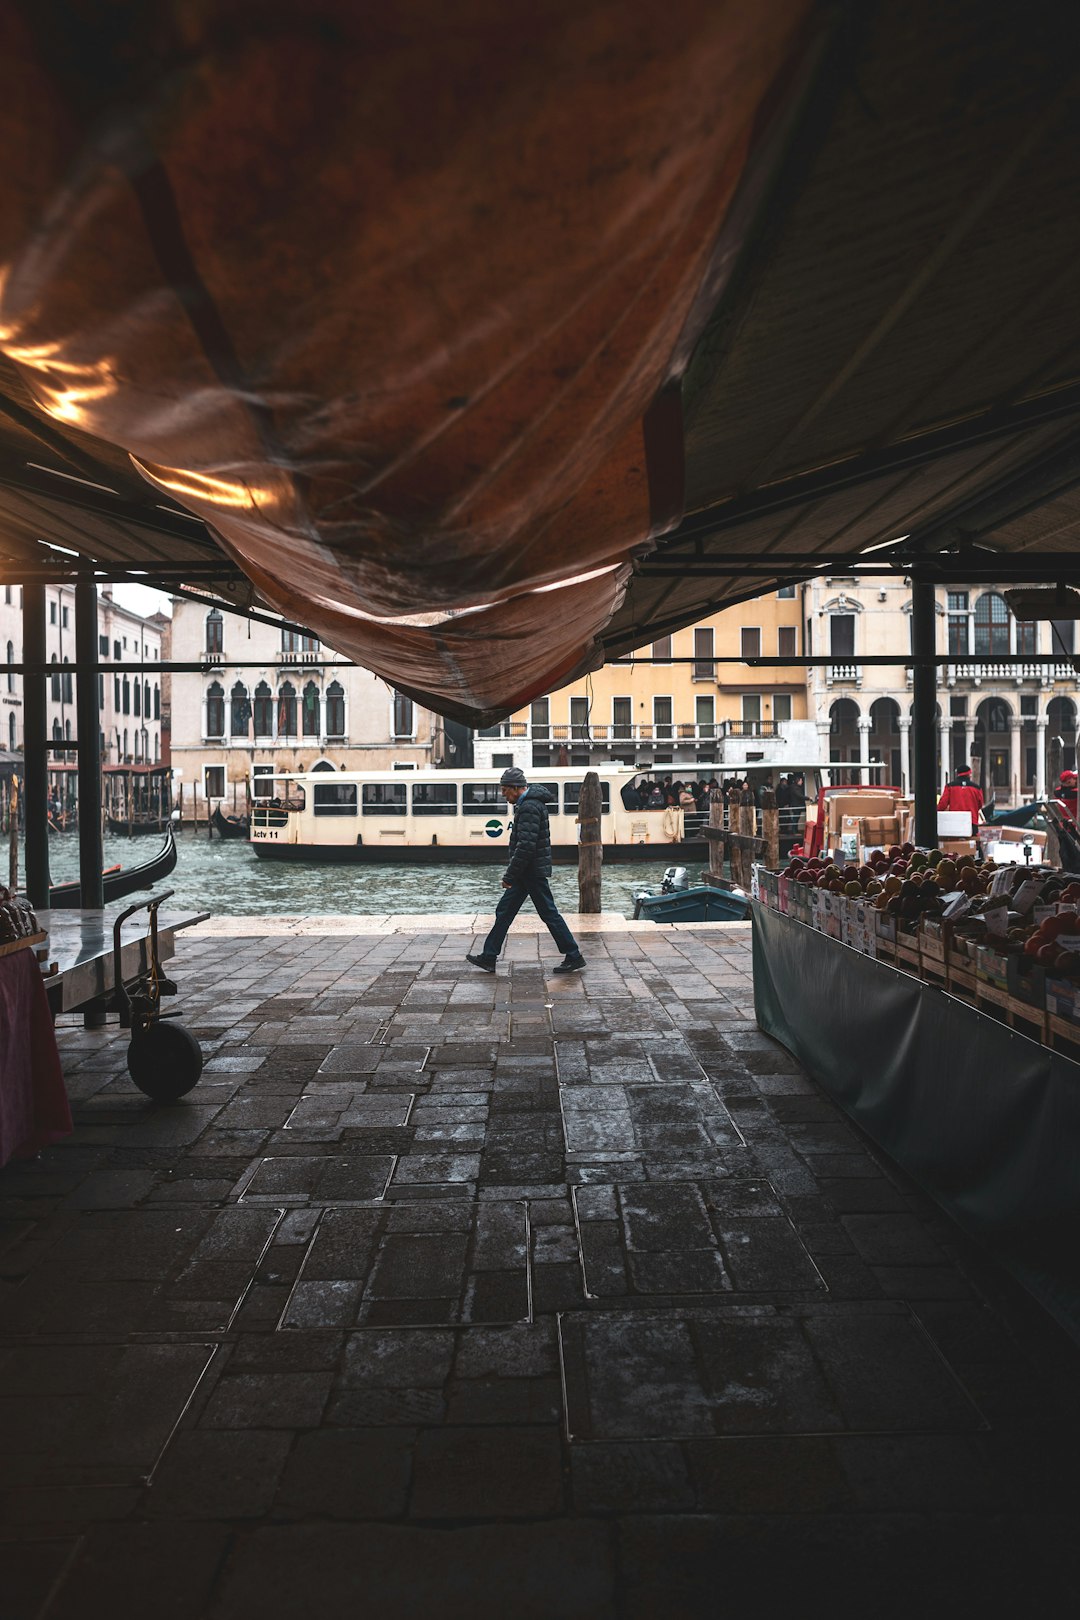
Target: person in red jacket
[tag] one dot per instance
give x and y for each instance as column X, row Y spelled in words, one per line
column 1067, row 791
column 962, row 794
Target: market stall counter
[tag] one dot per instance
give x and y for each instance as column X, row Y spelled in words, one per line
column 975, row 1104
column 33, row 1103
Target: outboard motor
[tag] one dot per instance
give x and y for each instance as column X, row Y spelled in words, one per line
column 675, row 879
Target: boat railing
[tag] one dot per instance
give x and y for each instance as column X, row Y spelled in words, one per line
column 267, row 815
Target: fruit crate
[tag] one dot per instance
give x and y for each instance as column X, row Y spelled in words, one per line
column 1027, row 982
column 906, row 949
column 934, row 950
column 1062, row 1029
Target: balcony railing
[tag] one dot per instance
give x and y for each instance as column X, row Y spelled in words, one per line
column 978, row 671
column 750, row 728
column 843, row 675
column 623, row 732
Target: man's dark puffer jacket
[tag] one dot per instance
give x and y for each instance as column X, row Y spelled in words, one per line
column 530, row 837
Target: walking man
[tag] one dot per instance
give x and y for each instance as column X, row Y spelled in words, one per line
column 526, row 876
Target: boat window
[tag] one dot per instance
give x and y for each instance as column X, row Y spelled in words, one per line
column 384, row 798
column 483, row 799
column 572, row 793
column 434, row 799
column 334, row 798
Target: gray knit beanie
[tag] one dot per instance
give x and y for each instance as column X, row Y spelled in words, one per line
column 513, row 776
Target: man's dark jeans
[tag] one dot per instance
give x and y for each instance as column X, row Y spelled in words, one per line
column 538, row 890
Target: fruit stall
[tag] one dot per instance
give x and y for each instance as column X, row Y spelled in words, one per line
column 936, row 997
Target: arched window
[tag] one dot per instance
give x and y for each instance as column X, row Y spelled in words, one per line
column 335, row 710
column 286, row 711
column 157, row 701
column 57, row 731
column 991, row 625
column 215, row 634
column 239, row 711
column 125, row 743
column 54, row 680
column 996, row 714
column 157, row 748
column 138, row 697
column 264, row 711
column 138, row 739
column 311, row 710
column 67, row 685
column 11, row 660
column 215, row 710
column 146, row 700
column 11, row 732
column 127, row 698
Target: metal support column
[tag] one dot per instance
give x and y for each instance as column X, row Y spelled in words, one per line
column 88, row 734
column 89, row 739
column 35, row 758
column 923, row 720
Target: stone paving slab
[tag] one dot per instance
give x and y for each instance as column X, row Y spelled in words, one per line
column 457, row 1295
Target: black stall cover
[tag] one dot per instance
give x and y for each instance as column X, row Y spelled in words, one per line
column 986, row 1120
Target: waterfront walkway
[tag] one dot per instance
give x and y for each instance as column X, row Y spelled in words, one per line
column 452, row 1295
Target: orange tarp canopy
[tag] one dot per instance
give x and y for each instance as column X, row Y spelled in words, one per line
column 397, row 299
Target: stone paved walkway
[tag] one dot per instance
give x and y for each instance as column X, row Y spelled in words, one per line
column 450, row 1295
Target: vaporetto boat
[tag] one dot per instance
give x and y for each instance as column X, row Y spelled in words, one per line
column 437, row 815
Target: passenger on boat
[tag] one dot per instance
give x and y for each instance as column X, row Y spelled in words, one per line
column 630, row 794
column 527, row 876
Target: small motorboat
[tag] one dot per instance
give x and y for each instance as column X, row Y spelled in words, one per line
column 677, row 900
column 229, row 826
column 118, row 881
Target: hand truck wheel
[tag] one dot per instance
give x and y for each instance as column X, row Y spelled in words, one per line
column 164, row 1060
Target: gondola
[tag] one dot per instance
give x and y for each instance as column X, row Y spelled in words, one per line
column 120, row 881
column 229, row 826
column 120, row 827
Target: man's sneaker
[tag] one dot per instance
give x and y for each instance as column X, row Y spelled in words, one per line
column 484, row 962
column 570, row 964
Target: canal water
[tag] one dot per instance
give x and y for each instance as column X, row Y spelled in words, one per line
column 226, row 878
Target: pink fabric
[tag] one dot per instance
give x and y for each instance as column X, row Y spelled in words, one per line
column 33, row 1102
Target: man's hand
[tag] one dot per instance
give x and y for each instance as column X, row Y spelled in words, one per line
column 507, row 885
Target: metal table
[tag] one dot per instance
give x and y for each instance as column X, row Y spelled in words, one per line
column 81, row 944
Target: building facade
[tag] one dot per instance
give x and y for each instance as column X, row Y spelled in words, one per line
column 1013, row 724
column 11, row 701
column 684, row 715
column 129, row 705
column 292, row 705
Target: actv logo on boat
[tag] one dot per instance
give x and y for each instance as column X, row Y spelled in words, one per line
column 493, row 828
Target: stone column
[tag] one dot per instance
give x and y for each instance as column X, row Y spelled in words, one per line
column 824, row 739
column 905, row 754
column 864, row 749
column 1016, row 789
column 969, row 740
column 944, row 727
column 1040, row 757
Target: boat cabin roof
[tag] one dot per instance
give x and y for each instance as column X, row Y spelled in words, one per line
column 573, row 773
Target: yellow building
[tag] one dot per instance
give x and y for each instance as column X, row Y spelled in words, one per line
column 667, row 712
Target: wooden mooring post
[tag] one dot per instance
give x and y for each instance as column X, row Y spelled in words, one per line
column 13, row 835
column 770, row 828
column 740, row 840
column 716, row 824
column 590, row 844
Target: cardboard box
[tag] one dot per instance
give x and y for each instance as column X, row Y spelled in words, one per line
column 1027, row 981
column 1061, row 999
column 992, row 966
